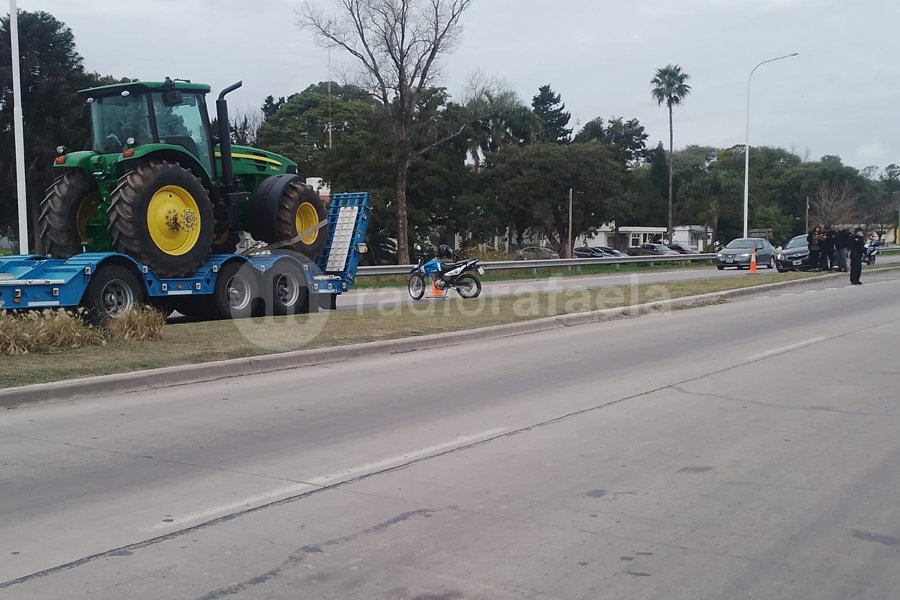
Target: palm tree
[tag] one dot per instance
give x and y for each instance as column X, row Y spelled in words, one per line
column 670, row 86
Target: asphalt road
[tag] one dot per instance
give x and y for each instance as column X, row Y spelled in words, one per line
column 745, row 450
column 358, row 299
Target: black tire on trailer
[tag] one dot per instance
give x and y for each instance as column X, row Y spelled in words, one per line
column 69, row 204
column 285, row 291
column 160, row 215
column 283, row 206
column 237, row 292
column 112, row 290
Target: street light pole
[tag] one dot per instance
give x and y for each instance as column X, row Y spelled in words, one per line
column 747, row 145
column 18, row 128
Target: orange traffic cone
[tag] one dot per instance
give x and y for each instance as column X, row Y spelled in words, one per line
column 436, row 292
column 753, row 261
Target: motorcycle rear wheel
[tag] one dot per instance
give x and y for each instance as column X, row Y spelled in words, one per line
column 416, row 287
column 468, row 286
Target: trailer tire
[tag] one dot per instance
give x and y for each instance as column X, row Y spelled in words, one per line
column 69, row 204
column 285, row 291
column 236, row 294
column 160, row 215
column 283, row 206
column 112, row 290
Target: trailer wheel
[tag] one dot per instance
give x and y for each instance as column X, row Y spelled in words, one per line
column 236, row 293
column 69, row 204
column 283, row 207
column 286, row 292
column 161, row 216
column 112, row 291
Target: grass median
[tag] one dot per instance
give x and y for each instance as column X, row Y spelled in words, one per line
column 192, row 343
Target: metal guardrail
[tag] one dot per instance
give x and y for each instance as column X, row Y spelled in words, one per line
column 549, row 264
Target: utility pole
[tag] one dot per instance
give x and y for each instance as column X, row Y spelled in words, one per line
column 18, row 128
column 571, row 249
column 807, row 215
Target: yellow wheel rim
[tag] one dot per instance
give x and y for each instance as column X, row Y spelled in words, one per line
column 173, row 220
column 307, row 216
column 87, row 212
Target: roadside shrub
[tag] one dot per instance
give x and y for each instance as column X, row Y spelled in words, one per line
column 45, row 331
column 141, row 323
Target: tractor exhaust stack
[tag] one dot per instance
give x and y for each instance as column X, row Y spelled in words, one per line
column 225, row 135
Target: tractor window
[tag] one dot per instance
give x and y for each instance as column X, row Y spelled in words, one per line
column 184, row 124
column 114, row 119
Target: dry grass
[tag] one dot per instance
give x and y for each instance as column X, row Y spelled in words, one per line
column 191, row 343
column 45, row 331
column 141, row 323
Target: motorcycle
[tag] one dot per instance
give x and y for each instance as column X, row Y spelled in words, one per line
column 871, row 252
column 461, row 276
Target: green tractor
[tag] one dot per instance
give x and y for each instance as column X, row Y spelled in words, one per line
column 161, row 187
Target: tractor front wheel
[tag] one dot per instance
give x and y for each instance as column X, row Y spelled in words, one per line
column 161, row 216
column 283, row 208
column 70, row 203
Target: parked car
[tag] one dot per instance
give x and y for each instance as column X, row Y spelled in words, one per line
column 589, row 252
column 610, row 251
column 682, row 249
column 536, row 253
column 794, row 256
column 652, row 250
column 738, row 252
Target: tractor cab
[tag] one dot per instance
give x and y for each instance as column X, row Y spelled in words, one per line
column 128, row 115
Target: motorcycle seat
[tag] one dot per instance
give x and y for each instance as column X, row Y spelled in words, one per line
column 450, row 266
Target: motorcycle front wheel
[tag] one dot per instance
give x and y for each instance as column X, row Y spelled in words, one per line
column 416, row 287
column 468, row 286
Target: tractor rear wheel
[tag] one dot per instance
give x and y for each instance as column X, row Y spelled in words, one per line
column 70, row 203
column 160, row 215
column 284, row 207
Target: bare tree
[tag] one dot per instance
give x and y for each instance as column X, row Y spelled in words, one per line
column 397, row 44
column 245, row 124
column 834, row 204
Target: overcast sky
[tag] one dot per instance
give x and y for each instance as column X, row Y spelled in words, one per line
column 840, row 96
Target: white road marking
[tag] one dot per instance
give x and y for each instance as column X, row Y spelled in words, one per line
column 321, row 481
column 777, row 351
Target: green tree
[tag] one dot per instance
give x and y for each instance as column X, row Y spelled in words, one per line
column 670, row 87
column 51, row 73
column 627, row 139
column 300, row 127
column 551, row 111
column 532, row 184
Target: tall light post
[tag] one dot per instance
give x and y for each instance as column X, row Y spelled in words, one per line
column 18, row 128
column 747, row 145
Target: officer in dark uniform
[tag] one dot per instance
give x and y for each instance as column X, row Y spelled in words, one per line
column 857, row 251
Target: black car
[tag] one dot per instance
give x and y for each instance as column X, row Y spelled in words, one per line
column 652, row 250
column 610, row 251
column 739, row 252
column 794, row 256
column 589, row 252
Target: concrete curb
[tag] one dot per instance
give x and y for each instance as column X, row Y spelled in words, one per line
column 142, row 381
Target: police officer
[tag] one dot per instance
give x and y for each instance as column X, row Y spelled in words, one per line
column 857, row 251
